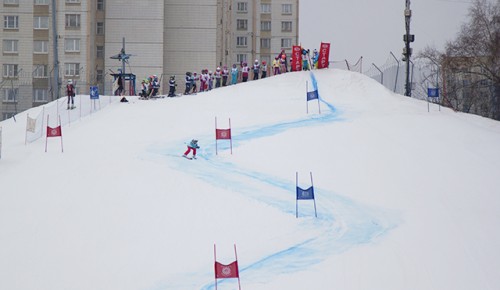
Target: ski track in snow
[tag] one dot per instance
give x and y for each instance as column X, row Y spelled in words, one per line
column 348, row 225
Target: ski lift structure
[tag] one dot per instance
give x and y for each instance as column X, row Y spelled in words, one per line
column 129, row 79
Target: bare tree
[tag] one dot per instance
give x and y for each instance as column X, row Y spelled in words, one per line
column 470, row 64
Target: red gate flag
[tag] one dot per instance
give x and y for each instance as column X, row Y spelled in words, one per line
column 226, row 271
column 54, row 132
column 324, row 55
column 296, row 64
column 223, row 134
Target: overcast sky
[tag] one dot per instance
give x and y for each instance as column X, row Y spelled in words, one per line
column 373, row 28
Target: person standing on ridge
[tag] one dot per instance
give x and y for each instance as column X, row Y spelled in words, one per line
column 70, row 91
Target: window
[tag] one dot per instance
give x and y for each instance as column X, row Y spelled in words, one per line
column 72, row 1
column 41, row 22
column 286, row 9
column 10, row 70
column 41, row 46
column 242, row 7
column 40, row 71
column 241, row 57
column 11, row 22
column 286, row 43
column 241, row 41
column 71, row 69
column 286, row 26
column 40, row 95
column 72, row 20
column 99, row 51
column 10, row 46
column 9, row 95
column 100, row 28
column 265, row 43
column 265, row 8
column 265, row 26
column 72, row 45
column 11, row 2
column 241, row 24
column 41, row 2
column 100, row 5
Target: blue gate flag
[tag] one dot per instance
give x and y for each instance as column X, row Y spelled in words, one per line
column 312, row 95
column 94, row 93
column 305, row 193
column 433, row 92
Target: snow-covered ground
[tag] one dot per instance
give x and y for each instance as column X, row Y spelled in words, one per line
column 406, row 198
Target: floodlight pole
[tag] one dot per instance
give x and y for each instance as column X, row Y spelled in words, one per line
column 407, row 51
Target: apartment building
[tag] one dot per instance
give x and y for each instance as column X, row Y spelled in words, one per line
column 164, row 38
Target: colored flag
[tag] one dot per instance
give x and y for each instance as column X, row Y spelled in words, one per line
column 305, row 193
column 54, row 132
column 324, row 55
column 312, row 95
column 226, row 271
column 296, row 64
column 31, row 125
column 222, row 134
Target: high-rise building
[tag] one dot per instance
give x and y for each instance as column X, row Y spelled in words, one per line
column 164, row 38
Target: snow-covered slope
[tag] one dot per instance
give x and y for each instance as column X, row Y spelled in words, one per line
column 406, row 198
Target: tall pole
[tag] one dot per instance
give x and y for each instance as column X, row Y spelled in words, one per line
column 407, row 51
column 55, row 81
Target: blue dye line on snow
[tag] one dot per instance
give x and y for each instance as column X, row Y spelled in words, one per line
column 348, row 225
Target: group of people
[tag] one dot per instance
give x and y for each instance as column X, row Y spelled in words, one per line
column 224, row 76
column 309, row 62
column 150, row 87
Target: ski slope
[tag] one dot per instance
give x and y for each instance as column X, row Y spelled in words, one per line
column 406, row 198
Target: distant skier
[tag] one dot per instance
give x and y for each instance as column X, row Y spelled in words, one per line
column 256, row 69
column 218, row 77
column 315, row 59
column 244, row 72
column 225, row 74
column 188, row 80
column 234, row 74
column 264, row 69
column 192, row 146
column 172, row 85
column 70, row 91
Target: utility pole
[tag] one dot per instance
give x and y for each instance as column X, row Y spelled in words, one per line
column 55, row 81
column 407, row 50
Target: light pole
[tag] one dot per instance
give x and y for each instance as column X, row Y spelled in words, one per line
column 407, row 51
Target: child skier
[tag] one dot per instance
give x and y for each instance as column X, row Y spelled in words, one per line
column 172, row 85
column 192, row 146
column 188, row 83
column 218, row 77
column 234, row 74
column 244, row 72
column 256, row 69
column 264, row 69
column 70, row 90
column 225, row 74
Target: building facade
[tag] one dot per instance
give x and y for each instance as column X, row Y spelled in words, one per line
column 164, row 38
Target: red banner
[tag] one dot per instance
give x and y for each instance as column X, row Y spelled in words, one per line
column 324, row 55
column 54, row 132
column 223, row 134
column 226, row 271
column 296, row 64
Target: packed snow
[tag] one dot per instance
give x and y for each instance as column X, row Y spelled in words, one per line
column 406, row 197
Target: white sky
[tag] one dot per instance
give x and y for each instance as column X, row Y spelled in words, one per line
column 372, row 29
